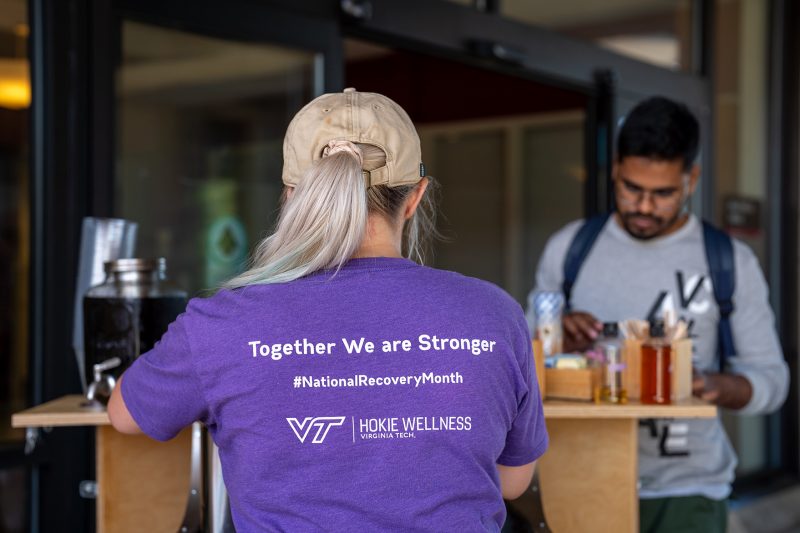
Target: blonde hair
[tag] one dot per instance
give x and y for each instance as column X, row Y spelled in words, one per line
column 324, row 222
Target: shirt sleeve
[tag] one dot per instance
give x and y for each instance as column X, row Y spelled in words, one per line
column 549, row 273
column 161, row 389
column 527, row 439
column 759, row 356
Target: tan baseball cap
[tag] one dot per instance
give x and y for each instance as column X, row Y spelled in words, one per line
column 367, row 118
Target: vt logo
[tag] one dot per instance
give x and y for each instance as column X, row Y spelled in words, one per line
column 322, row 423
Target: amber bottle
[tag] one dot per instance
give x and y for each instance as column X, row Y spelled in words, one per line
column 656, row 384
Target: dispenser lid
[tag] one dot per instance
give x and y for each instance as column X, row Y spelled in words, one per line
column 136, row 265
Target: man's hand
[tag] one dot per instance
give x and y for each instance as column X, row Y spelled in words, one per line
column 580, row 331
column 725, row 390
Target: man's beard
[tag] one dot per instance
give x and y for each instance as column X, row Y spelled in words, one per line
column 659, row 224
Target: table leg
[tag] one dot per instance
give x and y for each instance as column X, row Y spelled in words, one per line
column 143, row 484
column 589, row 476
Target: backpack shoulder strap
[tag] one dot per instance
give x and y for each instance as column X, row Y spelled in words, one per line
column 577, row 252
column 722, row 268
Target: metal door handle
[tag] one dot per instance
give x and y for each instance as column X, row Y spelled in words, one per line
column 497, row 51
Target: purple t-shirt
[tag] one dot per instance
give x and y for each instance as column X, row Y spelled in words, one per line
column 377, row 399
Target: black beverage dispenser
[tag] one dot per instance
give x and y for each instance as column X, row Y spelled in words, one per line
column 129, row 312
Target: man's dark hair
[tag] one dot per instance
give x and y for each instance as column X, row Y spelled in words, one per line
column 660, row 129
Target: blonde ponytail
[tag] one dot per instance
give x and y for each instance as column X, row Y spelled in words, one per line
column 320, row 227
column 323, row 223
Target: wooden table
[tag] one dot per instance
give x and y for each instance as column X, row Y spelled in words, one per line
column 143, row 485
column 589, row 475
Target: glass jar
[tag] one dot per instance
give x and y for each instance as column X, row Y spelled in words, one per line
column 548, row 309
column 610, row 346
column 129, row 312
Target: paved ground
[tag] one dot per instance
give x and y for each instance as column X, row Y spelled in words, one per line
column 777, row 513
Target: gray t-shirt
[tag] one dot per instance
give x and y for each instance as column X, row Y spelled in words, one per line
column 624, row 278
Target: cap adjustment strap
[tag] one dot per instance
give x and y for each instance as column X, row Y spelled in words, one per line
column 379, row 176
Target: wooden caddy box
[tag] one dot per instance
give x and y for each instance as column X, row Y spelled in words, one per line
column 580, row 384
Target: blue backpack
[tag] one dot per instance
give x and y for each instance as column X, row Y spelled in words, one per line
column 719, row 254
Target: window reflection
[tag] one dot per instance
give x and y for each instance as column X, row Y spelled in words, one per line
column 201, row 124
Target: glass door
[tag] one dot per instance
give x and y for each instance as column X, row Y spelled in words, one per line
column 199, row 127
column 517, row 122
column 163, row 112
column 510, row 165
column 200, row 124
